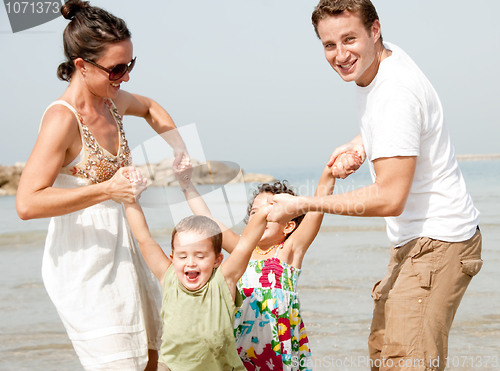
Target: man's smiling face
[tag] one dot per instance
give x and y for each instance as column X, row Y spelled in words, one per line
column 349, row 47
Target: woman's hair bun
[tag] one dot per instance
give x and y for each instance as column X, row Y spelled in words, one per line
column 72, row 7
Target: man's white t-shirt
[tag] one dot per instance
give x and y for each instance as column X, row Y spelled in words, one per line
column 401, row 115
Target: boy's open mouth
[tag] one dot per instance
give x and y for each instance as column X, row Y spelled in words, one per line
column 191, row 276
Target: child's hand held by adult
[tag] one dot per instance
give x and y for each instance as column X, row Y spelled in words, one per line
column 184, row 171
column 126, row 185
column 135, row 177
column 346, row 164
column 181, row 160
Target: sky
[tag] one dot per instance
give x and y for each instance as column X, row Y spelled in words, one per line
column 252, row 77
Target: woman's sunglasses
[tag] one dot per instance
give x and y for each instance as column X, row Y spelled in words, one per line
column 117, row 71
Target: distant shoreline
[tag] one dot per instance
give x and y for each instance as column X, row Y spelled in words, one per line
column 490, row 156
column 469, row 157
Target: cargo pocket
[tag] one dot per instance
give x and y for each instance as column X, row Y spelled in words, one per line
column 424, row 274
column 423, row 261
column 471, row 267
column 376, row 294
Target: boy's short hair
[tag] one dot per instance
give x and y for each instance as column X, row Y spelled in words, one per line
column 203, row 225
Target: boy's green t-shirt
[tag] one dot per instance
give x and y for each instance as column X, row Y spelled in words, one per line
column 198, row 325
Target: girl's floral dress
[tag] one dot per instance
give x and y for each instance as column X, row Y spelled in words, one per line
column 269, row 331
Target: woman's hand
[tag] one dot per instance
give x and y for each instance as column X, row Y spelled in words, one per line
column 126, row 185
column 181, row 160
column 183, row 171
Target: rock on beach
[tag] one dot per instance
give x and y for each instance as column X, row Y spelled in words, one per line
column 211, row 172
column 9, row 178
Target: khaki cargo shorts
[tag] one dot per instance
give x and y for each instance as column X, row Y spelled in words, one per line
column 415, row 303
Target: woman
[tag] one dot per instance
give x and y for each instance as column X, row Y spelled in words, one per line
column 107, row 298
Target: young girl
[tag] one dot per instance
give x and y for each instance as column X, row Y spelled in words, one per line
column 269, row 331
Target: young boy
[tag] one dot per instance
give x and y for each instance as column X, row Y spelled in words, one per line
column 199, row 293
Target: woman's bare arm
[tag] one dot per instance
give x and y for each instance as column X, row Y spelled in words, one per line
column 36, row 196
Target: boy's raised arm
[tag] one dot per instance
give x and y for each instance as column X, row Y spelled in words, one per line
column 235, row 265
column 153, row 254
column 193, row 198
column 199, row 207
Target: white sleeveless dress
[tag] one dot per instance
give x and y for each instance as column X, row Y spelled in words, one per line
column 93, row 271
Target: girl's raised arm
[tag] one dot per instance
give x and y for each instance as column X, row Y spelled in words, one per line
column 309, row 227
column 236, row 264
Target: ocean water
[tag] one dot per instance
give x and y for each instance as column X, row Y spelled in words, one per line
column 348, row 256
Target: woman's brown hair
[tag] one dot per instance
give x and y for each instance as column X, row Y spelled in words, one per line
column 88, row 34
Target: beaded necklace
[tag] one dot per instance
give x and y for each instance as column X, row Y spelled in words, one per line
column 280, row 246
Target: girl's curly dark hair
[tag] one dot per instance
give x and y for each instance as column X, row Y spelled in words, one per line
column 275, row 188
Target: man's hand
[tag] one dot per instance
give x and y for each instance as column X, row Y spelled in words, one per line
column 285, row 207
column 346, row 164
column 343, row 161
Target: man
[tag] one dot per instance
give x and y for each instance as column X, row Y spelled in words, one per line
column 417, row 186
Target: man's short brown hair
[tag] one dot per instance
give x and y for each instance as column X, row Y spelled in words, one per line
column 329, row 8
